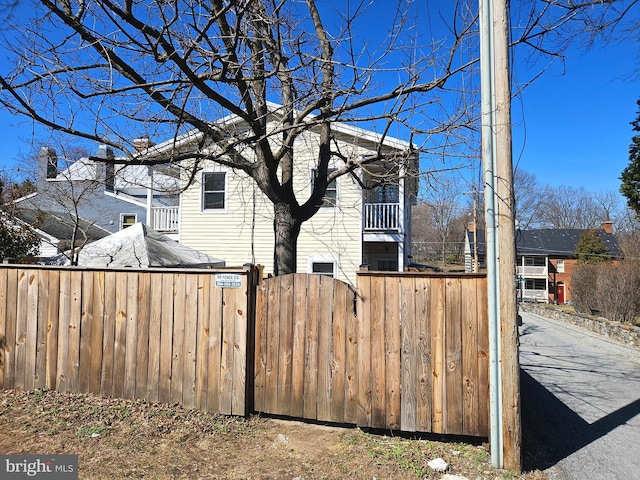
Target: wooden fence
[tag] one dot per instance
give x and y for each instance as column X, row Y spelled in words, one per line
column 170, row 336
column 405, row 351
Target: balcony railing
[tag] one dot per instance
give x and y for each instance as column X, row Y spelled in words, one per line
column 535, row 295
column 166, row 219
column 529, row 271
column 382, row 216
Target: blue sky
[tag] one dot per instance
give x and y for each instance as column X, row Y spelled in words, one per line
column 570, row 128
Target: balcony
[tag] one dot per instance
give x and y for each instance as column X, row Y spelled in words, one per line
column 531, row 271
column 165, row 219
column 382, row 217
column 535, row 295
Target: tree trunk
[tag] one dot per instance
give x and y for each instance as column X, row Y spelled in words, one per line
column 287, row 229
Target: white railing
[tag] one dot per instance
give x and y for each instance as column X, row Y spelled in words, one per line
column 537, row 295
column 529, row 271
column 166, row 219
column 382, row 216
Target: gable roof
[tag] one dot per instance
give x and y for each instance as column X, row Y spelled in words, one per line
column 139, row 246
column 553, row 242
column 59, row 225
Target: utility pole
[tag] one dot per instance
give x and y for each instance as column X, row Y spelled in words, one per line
column 504, row 373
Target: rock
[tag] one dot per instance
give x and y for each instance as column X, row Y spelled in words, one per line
column 282, row 439
column 453, row 477
column 438, row 464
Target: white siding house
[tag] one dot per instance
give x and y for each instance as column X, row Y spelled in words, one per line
column 224, row 214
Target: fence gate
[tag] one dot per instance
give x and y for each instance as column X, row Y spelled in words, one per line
column 405, row 351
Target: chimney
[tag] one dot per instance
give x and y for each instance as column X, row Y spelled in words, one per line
column 472, row 227
column 607, row 226
column 141, row 145
column 47, row 163
column 106, row 169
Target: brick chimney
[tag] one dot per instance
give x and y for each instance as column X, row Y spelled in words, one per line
column 471, row 227
column 141, row 145
column 607, row 226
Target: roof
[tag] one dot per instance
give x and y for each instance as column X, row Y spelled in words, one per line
column 553, row 242
column 139, row 246
column 59, row 225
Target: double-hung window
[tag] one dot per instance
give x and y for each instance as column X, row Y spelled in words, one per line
column 330, row 198
column 213, row 190
column 127, row 219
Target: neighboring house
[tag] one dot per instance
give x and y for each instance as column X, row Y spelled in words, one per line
column 104, row 197
column 223, row 212
column 545, row 259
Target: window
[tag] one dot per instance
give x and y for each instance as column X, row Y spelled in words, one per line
column 560, row 266
column 323, row 265
column 213, row 190
column 534, row 261
column 330, row 198
column 388, row 265
column 127, row 219
column 322, row 268
column 535, row 284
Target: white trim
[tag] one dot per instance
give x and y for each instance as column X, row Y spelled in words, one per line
column 126, row 198
column 215, row 211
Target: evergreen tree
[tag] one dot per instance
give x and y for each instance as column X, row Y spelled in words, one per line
column 630, row 177
column 591, row 249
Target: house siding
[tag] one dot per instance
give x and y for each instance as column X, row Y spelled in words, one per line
column 240, row 236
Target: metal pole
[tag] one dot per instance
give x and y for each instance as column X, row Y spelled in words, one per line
column 487, row 63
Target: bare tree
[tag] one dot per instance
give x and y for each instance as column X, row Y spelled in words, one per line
column 111, row 71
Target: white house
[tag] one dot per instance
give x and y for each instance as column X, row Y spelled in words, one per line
column 224, row 214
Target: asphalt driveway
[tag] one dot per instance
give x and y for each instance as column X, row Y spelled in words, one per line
column 580, row 402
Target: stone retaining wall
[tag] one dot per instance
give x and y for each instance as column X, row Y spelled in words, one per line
column 620, row 332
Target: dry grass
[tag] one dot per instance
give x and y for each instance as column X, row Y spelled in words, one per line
column 117, row 438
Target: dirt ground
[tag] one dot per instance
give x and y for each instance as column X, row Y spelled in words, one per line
column 118, row 439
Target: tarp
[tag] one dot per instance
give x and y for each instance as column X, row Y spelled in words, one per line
column 139, row 246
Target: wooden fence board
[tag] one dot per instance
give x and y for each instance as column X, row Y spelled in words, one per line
column 20, row 351
column 393, row 369
column 409, row 365
column 260, row 357
column 190, row 341
column 378, row 354
column 142, row 328
column 97, row 332
column 62, row 383
column 75, row 307
column 166, row 338
column 300, row 293
column 4, row 347
column 351, row 368
column 202, row 347
column 325, row 313
column 53, row 321
column 483, row 357
column 214, row 380
column 365, row 385
column 437, row 316
column 40, row 378
column 131, row 350
column 120, row 344
column 239, row 361
column 177, row 361
column 453, row 357
column 31, row 344
column 470, row 394
column 424, row 369
column 10, row 342
column 285, row 346
column 86, row 329
column 273, row 344
column 226, row 356
column 310, row 387
column 155, row 319
column 338, row 348
column 110, row 321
